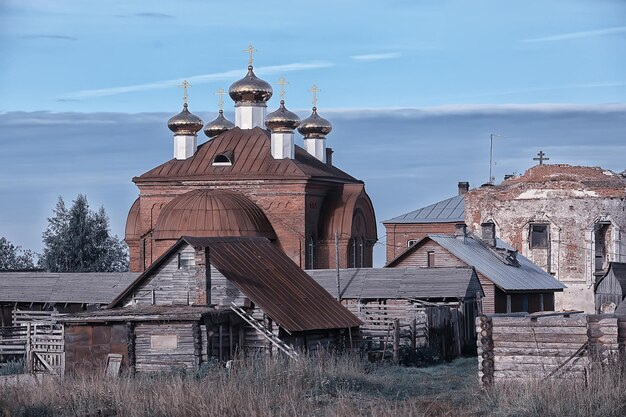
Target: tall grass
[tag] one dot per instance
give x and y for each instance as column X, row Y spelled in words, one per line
column 322, row 385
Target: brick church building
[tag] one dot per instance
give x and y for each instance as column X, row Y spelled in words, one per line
column 250, row 179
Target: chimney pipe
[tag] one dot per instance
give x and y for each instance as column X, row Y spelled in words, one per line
column 463, row 187
column 489, row 233
column 460, row 231
column 329, row 156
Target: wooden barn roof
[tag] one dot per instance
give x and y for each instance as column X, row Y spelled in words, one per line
column 141, row 313
column 270, row 279
column 400, row 283
column 77, row 288
column 250, row 153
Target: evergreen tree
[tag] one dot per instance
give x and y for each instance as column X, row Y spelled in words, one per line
column 14, row 257
column 79, row 240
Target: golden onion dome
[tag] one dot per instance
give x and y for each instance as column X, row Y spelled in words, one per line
column 185, row 123
column 315, row 126
column 250, row 89
column 218, row 126
column 282, row 120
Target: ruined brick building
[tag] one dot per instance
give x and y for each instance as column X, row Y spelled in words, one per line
column 249, row 181
column 569, row 220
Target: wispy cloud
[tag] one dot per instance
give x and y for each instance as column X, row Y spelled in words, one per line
column 155, row 15
column 376, row 57
column 53, row 37
column 579, row 35
column 224, row 75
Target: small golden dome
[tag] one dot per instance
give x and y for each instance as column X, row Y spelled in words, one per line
column 282, row 120
column 218, row 126
column 315, row 126
column 250, row 89
column 185, row 123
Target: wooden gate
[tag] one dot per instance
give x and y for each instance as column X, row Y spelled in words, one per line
column 45, row 349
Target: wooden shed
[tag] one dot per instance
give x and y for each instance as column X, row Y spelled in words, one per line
column 210, row 298
column 432, row 306
column 611, row 288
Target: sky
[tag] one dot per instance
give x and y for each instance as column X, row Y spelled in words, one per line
column 413, row 89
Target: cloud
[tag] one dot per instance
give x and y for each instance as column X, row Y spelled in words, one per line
column 224, row 75
column 579, row 35
column 53, row 37
column 155, row 15
column 376, row 57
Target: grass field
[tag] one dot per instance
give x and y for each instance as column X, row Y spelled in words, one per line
column 327, row 385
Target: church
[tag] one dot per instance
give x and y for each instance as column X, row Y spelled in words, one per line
column 250, row 179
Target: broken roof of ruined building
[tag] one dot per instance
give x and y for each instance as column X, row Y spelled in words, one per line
column 250, row 154
column 450, row 210
column 616, row 273
column 269, row 278
column 74, row 288
column 474, row 252
column 401, row 283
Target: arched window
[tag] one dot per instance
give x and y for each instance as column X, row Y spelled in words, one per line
column 223, row 159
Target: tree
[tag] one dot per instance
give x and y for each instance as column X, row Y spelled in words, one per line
column 79, row 240
column 14, row 257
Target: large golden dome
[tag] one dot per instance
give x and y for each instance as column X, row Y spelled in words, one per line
column 212, row 213
column 250, row 90
column 185, row 123
column 315, row 126
column 218, row 126
column 282, row 120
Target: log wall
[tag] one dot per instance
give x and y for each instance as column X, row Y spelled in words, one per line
column 166, row 346
column 523, row 347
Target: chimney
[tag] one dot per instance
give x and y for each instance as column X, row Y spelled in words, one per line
column 329, row 156
column 509, row 176
column 460, row 231
column 489, row 233
column 463, row 187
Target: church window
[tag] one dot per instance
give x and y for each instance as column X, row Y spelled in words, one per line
column 602, row 237
column 356, row 252
column 310, row 258
column 539, row 235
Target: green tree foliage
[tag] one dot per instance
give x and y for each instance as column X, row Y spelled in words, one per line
column 79, row 240
column 14, row 257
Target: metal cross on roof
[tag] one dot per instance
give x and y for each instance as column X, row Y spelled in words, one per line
column 282, row 82
column 220, row 92
column 541, row 158
column 314, row 90
column 185, row 85
column 250, row 50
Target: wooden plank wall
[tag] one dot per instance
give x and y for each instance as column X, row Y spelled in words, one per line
column 512, row 347
column 153, row 359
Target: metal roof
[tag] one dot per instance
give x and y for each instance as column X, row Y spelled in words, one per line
column 79, row 287
column 269, row 278
column 400, row 283
column 474, row 252
column 451, row 210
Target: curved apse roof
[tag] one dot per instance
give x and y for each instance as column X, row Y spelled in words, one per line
column 212, row 213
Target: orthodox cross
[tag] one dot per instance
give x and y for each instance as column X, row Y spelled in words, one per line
column 314, row 90
column 250, row 50
column 282, row 82
column 541, row 158
column 185, row 85
column 220, row 93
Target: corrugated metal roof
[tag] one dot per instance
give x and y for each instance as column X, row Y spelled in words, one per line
column 526, row 277
column 276, row 284
column 400, row 283
column 80, row 287
column 252, row 159
column 451, row 210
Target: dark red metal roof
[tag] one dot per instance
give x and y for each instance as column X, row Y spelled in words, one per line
column 251, row 156
column 212, row 212
column 133, row 221
column 276, row 284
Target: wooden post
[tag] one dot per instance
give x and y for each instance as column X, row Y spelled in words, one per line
column 132, row 358
column 396, row 341
column 231, row 340
column 221, row 342
column 197, row 344
column 29, row 348
column 508, row 303
column 337, row 265
column 413, row 339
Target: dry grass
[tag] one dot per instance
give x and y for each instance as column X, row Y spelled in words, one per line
column 326, row 385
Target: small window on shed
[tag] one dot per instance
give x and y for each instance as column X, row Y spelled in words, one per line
column 184, row 261
column 539, row 235
column 430, row 260
column 223, row 159
column 411, row 242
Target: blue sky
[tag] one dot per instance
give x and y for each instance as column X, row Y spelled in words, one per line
column 413, row 89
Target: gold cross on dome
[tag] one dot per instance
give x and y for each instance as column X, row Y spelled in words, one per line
column 314, row 90
column 184, row 86
column 220, row 93
column 282, row 82
column 250, row 50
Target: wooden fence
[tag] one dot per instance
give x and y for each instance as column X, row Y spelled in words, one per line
column 546, row 345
